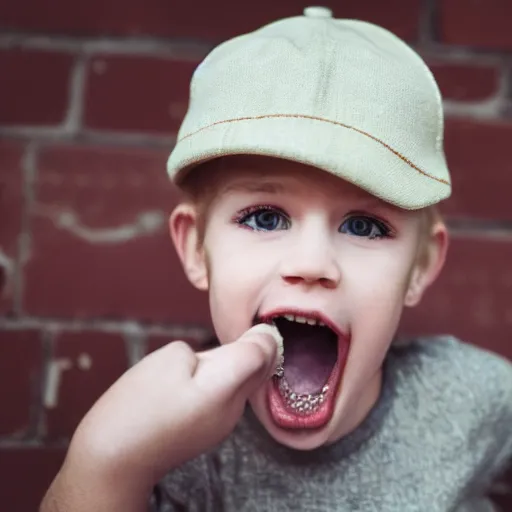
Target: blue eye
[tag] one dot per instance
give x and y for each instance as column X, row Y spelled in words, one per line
column 264, row 219
column 365, row 227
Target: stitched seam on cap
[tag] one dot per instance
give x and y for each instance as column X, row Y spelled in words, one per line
column 353, row 128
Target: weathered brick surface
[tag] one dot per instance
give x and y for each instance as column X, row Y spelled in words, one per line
column 25, row 475
column 466, row 82
column 137, row 93
column 479, row 155
column 45, row 104
column 207, row 20
column 101, row 246
column 11, row 204
column 156, row 342
column 476, row 24
column 87, row 363
column 21, row 362
column 473, row 297
column 93, row 225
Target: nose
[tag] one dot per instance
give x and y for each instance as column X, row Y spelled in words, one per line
column 311, row 260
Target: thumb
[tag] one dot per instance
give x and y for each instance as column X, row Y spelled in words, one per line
column 240, row 367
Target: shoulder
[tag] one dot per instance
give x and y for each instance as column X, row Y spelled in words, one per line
column 468, row 386
column 459, row 366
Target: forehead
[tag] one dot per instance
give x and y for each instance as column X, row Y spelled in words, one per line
column 256, row 174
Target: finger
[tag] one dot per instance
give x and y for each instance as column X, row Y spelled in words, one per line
column 255, row 349
column 248, row 361
column 177, row 356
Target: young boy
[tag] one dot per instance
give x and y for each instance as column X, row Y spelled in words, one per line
column 311, row 157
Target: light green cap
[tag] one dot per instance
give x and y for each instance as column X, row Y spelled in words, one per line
column 344, row 96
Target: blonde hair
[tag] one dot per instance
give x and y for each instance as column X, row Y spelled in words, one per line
column 429, row 217
column 199, row 189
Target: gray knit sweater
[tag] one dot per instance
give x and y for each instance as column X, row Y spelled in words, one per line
column 439, row 434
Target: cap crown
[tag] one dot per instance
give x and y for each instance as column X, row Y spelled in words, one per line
column 369, row 103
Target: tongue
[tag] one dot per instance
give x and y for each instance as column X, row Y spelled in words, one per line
column 310, row 353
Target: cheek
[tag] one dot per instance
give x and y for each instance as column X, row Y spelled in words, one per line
column 376, row 294
column 376, row 284
column 237, row 277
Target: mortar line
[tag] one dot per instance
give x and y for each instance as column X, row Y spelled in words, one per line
column 186, row 49
column 506, row 84
column 426, row 25
column 100, row 138
column 25, row 241
column 132, row 339
column 493, row 235
column 76, row 97
column 478, row 224
column 195, row 50
column 7, row 443
column 107, row 326
column 47, row 341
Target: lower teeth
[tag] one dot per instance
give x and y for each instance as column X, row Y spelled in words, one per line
column 304, row 404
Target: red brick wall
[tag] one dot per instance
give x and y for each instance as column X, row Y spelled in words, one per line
column 91, row 95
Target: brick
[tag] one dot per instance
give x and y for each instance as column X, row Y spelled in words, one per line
column 504, row 501
column 87, row 363
column 11, row 203
column 26, row 475
column 137, row 93
column 472, row 298
column 20, row 370
column 21, row 103
column 480, row 159
column 464, row 82
column 503, row 494
column 476, row 24
column 156, row 342
column 187, row 19
column 100, row 244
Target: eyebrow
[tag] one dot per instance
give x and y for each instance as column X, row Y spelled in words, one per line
column 373, row 202
column 268, row 187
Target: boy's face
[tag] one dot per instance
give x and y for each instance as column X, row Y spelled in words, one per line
column 282, row 238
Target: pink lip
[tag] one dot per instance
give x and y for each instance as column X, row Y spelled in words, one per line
column 287, row 419
column 312, row 314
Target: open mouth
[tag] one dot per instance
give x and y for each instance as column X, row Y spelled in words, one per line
column 303, row 393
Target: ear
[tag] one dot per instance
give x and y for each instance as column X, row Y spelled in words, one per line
column 184, row 229
column 428, row 268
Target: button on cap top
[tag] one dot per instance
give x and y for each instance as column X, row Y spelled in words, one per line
column 318, row 12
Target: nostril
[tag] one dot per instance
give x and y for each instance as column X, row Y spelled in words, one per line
column 323, row 281
column 328, row 283
column 293, row 279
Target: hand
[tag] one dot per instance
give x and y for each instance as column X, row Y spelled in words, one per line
column 172, row 406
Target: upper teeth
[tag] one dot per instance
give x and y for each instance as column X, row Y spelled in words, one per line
column 303, row 320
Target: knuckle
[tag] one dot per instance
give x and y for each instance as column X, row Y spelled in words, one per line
column 180, row 349
column 256, row 353
column 177, row 351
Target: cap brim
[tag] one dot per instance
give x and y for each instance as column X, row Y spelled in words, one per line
column 340, row 150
